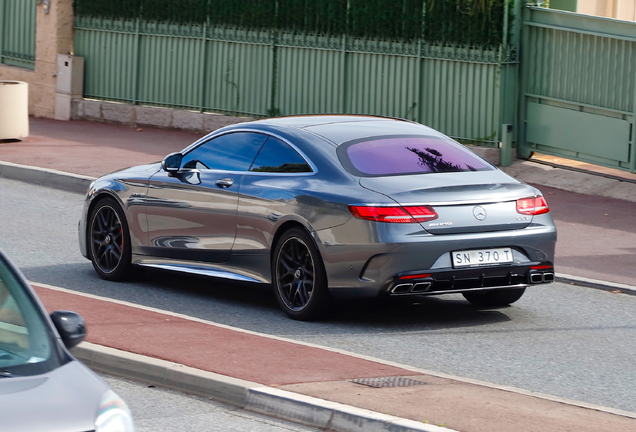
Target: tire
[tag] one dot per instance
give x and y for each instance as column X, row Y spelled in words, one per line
column 109, row 241
column 298, row 276
column 494, row 298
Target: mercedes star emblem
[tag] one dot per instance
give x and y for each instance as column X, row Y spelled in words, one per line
column 479, row 212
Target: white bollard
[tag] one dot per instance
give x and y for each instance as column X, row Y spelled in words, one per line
column 14, row 110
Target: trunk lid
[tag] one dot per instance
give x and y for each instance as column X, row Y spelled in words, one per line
column 465, row 201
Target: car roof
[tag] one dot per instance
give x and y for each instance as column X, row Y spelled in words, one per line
column 342, row 128
column 304, row 121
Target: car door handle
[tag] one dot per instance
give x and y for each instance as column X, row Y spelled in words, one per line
column 225, row 182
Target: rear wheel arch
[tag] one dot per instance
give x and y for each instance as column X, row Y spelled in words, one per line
column 286, row 226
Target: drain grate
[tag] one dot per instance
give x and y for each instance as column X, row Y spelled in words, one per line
column 394, row 381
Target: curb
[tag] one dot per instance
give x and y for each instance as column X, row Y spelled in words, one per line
column 248, row 395
column 595, row 283
column 46, row 177
column 583, row 171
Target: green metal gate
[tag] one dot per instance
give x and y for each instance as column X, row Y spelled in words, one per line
column 17, row 33
column 465, row 92
column 578, row 87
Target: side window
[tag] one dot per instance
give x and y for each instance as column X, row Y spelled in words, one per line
column 229, row 152
column 278, row 157
column 13, row 330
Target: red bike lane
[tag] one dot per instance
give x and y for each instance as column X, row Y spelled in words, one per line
column 459, row 404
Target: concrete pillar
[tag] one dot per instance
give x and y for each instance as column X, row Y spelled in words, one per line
column 53, row 36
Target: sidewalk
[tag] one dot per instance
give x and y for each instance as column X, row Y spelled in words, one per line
column 301, row 382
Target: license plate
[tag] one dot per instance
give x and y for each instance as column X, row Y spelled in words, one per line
column 479, row 257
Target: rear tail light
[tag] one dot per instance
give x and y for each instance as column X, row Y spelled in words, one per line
column 394, row 214
column 416, row 276
column 532, row 206
column 541, row 267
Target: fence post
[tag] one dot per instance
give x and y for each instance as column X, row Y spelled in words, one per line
column 506, row 97
column 417, row 111
column 632, row 137
column 343, row 55
column 273, row 110
column 505, row 158
column 135, row 84
column 523, row 152
column 2, row 15
column 419, row 117
column 204, row 56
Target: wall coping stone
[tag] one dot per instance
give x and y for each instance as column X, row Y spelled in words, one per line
column 141, row 115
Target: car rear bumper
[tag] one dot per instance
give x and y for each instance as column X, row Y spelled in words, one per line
column 454, row 281
column 471, row 279
column 375, row 269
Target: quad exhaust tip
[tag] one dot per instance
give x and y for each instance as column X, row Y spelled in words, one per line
column 402, row 288
column 421, row 287
column 411, row 288
column 536, row 276
column 542, row 277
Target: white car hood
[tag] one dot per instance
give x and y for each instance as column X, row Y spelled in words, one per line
column 63, row 400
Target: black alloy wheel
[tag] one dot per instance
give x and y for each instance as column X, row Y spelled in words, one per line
column 299, row 276
column 109, row 241
column 494, row 298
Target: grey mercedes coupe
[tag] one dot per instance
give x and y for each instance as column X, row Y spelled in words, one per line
column 326, row 207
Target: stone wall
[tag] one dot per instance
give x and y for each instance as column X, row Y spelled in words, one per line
column 133, row 115
column 53, row 36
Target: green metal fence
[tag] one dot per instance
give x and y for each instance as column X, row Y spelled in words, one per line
column 579, row 87
column 453, row 88
column 17, row 33
column 574, row 96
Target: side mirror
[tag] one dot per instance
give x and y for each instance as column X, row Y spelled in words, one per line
column 172, row 162
column 70, row 326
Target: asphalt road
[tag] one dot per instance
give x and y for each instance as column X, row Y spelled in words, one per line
column 568, row 341
column 158, row 409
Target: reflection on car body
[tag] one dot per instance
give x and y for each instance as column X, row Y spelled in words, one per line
column 322, row 207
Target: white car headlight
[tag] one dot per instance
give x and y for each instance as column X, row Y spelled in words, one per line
column 113, row 415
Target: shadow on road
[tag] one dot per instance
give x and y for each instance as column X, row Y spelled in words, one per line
column 254, row 307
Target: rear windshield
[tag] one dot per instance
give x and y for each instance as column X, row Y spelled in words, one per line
column 400, row 155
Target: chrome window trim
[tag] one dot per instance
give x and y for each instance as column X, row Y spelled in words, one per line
column 215, row 171
column 299, row 174
column 207, row 138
